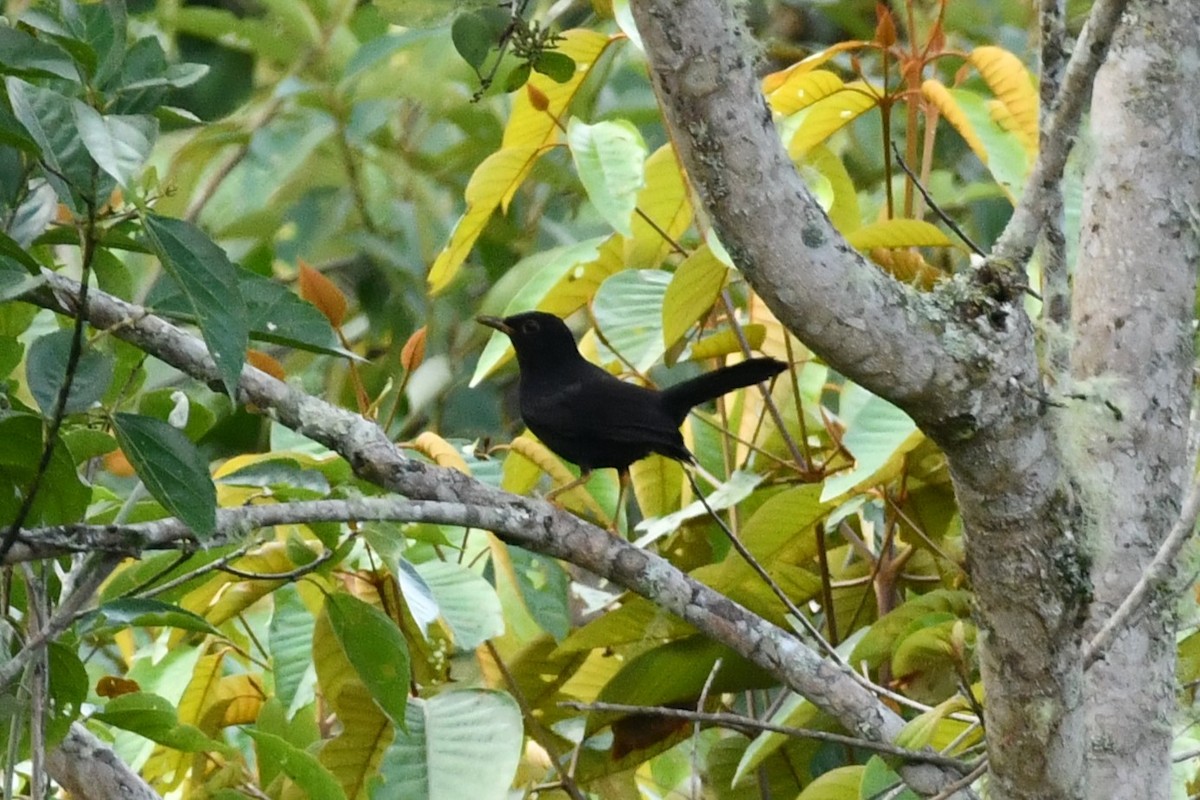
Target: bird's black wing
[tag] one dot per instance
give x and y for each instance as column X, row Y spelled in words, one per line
column 595, row 420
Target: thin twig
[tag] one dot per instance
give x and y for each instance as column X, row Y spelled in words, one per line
column 88, row 236
column 91, row 574
column 743, row 723
column 933, row 206
column 762, row 573
column 1058, row 133
column 708, row 682
column 1157, row 572
column 536, row 729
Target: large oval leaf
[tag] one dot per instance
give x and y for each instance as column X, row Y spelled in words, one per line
column 46, row 368
column 173, row 470
column 609, row 157
column 376, row 648
column 693, row 291
column 457, row 745
column 628, row 311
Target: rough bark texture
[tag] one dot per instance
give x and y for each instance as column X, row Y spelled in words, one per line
column 89, row 769
column 960, row 360
column 1135, row 287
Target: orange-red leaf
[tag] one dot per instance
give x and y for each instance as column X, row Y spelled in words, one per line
column 413, row 353
column 260, row 360
column 324, row 294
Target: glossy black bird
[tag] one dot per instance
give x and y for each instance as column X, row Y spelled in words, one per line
column 592, row 418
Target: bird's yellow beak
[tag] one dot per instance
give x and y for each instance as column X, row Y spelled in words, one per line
column 497, row 323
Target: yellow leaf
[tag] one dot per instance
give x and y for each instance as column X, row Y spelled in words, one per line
column 354, row 755
column 844, row 213
column 442, row 452
column 908, row 266
column 237, row 463
column 531, row 126
column 225, row 596
column 830, row 114
column 578, row 498
column 1008, row 79
column 243, row 697
column 776, row 79
column 939, row 96
column 802, row 89
column 898, row 233
column 693, row 290
column 492, row 184
column 664, row 199
column 725, row 342
column 332, row 665
column 577, row 288
column 657, row 483
column 836, row 784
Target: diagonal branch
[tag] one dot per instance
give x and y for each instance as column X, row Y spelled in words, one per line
column 1059, row 127
column 843, row 307
column 524, row 522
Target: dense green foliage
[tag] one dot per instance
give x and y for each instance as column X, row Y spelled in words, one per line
column 219, row 163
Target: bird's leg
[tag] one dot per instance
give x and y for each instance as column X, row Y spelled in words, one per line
column 583, row 478
column 622, row 483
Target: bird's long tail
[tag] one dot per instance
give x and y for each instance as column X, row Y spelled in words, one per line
column 682, row 397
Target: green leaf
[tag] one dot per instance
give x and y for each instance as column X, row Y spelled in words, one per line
column 49, row 119
column 735, row 490
column 693, row 291
column 375, row 648
column 279, row 316
column 842, row 783
column 677, row 671
column 466, row 601
column 301, row 767
column 545, row 588
column 628, row 311
column 173, row 470
column 62, row 497
column 210, row 282
column 878, row 434
column 11, row 251
column 425, row 13
column 517, row 78
column 290, row 636
column 473, row 38
column 877, row 645
column 609, row 157
column 1007, row 159
column 68, row 689
column 16, row 283
column 558, row 67
column 22, row 54
column 46, row 369
column 118, row 144
column 880, row 780
column 144, row 612
column 457, row 744
column 154, row 717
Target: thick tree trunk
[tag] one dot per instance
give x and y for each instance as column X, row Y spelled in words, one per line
column 960, row 360
column 1135, row 287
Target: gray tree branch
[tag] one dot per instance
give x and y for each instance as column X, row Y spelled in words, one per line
column 532, row 524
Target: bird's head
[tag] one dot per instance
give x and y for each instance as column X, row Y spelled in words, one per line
column 537, row 337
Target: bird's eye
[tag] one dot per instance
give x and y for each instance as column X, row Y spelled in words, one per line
column 530, row 326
